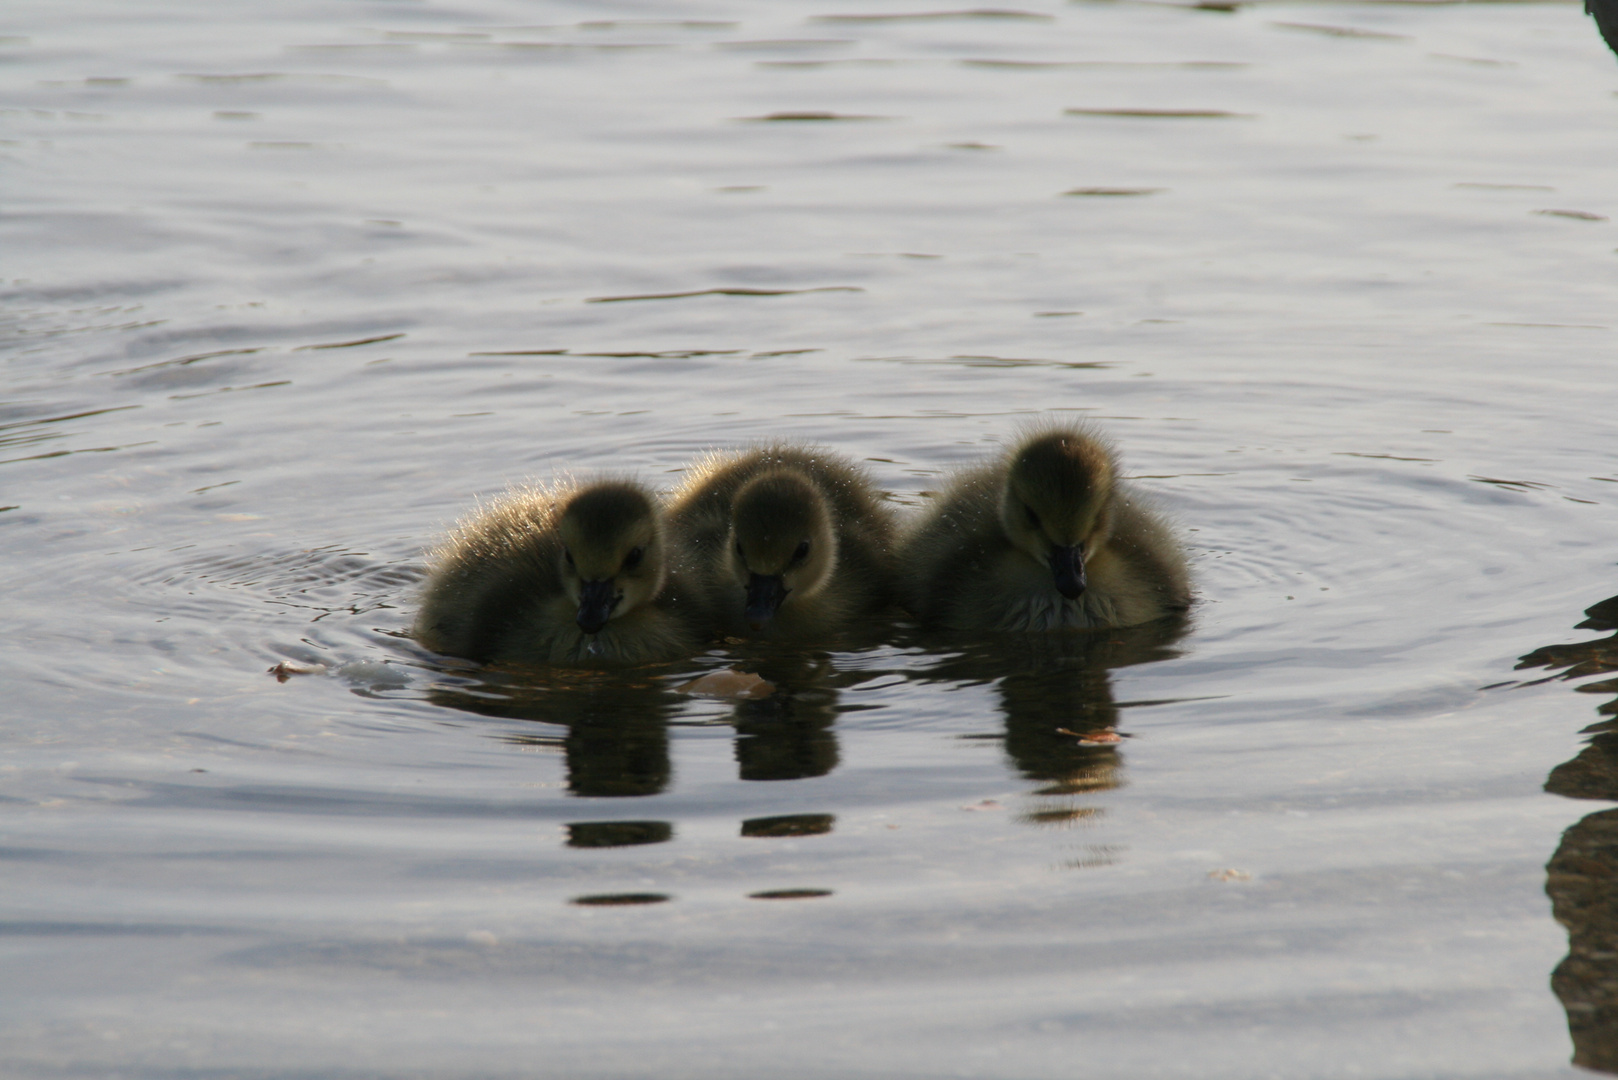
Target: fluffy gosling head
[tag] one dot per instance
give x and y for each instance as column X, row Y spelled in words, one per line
column 1057, row 503
column 612, row 555
column 782, row 542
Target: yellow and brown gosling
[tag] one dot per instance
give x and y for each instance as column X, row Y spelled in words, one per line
column 574, row 574
column 1046, row 538
column 790, row 543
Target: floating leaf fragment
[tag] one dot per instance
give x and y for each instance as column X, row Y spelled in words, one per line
column 288, row 668
column 729, row 684
column 1105, row 735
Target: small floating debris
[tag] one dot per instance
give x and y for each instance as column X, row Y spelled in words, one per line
column 728, row 684
column 1579, row 215
column 1112, row 192
column 1103, row 736
column 984, row 804
column 789, row 894
column 1163, row 114
column 720, row 292
column 288, row 668
column 1229, row 875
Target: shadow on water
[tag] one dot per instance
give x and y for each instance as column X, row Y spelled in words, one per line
column 1582, row 877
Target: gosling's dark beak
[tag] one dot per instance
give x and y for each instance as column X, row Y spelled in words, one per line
column 1067, row 564
column 596, row 601
column 764, row 595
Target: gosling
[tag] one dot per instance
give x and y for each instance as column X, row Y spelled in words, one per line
column 1046, row 538
column 573, row 575
column 791, row 544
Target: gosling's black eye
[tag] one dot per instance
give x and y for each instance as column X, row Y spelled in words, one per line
column 633, row 559
column 740, row 554
column 1033, row 518
column 568, row 555
column 801, row 553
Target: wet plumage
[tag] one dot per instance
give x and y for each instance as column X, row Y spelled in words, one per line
column 1045, row 538
column 572, row 574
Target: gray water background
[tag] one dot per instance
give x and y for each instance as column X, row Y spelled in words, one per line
column 287, row 287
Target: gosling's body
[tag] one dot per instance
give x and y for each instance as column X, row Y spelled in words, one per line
column 577, row 575
column 1046, row 538
column 789, row 543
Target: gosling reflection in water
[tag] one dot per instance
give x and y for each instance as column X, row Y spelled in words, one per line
column 601, row 834
column 791, row 734
column 1582, row 877
column 1054, row 688
column 617, row 741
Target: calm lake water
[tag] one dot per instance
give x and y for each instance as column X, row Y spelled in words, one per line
column 286, row 287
